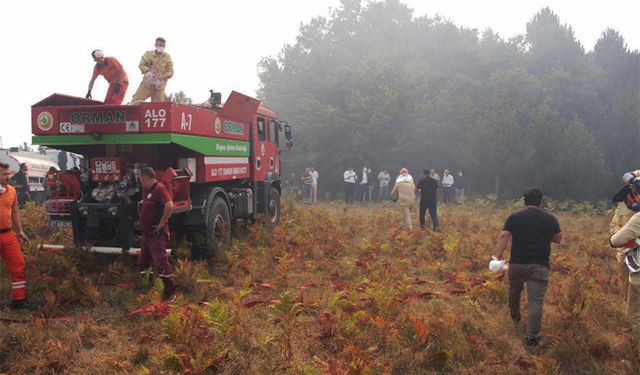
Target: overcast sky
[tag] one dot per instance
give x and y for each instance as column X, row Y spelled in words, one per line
column 46, row 45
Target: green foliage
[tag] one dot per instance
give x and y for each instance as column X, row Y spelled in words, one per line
column 172, row 362
column 178, row 97
column 220, row 316
column 193, row 277
column 284, row 313
column 374, row 84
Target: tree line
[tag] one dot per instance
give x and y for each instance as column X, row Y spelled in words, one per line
column 372, row 84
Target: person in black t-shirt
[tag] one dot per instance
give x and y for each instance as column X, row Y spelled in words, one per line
column 532, row 229
column 428, row 187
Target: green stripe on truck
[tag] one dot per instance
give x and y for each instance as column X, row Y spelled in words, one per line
column 202, row 145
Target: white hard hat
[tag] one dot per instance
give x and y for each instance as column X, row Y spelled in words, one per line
column 627, row 178
column 97, row 54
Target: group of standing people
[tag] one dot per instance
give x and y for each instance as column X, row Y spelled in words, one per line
column 310, row 185
column 155, row 65
column 361, row 186
column 365, row 186
column 309, row 192
column 452, row 188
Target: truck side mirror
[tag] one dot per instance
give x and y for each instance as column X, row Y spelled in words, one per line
column 288, row 136
column 287, row 132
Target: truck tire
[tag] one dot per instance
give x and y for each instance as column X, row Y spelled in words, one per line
column 274, row 209
column 218, row 228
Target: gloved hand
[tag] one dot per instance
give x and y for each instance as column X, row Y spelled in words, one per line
column 88, row 96
column 116, row 88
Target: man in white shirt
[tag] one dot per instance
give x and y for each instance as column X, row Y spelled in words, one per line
column 350, row 178
column 447, row 187
column 314, row 184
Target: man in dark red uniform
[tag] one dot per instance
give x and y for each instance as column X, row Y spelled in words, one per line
column 154, row 217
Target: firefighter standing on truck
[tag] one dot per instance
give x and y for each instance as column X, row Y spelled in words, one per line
column 154, row 218
column 111, row 69
column 157, row 68
column 10, row 250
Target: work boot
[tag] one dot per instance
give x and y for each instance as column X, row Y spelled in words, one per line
column 169, row 298
column 530, row 342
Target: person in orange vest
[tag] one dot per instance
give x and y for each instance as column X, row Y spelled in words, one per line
column 10, row 250
column 111, row 69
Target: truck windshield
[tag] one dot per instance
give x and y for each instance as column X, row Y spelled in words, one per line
column 262, row 132
column 274, row 137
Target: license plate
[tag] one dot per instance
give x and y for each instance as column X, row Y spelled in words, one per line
column 105, row 166
column 59, row 223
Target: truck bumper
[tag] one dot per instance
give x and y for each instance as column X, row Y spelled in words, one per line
column 94, row 249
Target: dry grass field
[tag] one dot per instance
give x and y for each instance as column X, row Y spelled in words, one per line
column 334, row 289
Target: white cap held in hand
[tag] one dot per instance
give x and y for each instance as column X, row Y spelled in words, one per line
column 496, row 265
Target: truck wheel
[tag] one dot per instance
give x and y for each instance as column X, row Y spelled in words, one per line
column 273, row 214
column 218, row 228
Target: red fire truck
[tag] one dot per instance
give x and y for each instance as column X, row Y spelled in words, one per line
column 221, row 163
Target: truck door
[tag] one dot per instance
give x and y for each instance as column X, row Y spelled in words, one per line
column 260, row 156
column 272, row 147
